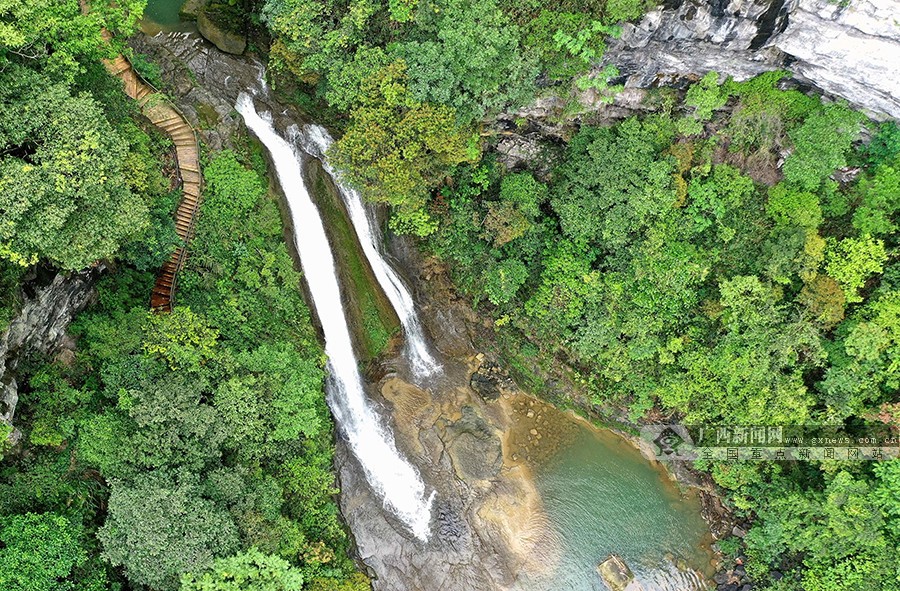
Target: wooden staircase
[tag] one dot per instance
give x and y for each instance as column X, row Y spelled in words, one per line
column 173, row 123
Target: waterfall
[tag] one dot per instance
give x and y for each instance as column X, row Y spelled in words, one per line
column 421, row 361
column 391, row 476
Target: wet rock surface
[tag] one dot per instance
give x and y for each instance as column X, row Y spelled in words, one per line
column 487, row 519
column 202, row 81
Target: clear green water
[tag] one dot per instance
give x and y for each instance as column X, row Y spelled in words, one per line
column 163, row 12
column 603, row 497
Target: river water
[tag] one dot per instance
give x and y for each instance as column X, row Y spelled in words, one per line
column 163, row 12
column 604, row 498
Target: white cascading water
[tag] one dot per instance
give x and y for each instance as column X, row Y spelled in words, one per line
column 422, row 363
column 391, row 476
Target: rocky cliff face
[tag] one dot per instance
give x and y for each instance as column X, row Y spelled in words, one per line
column 849, row 51
column 40, row 327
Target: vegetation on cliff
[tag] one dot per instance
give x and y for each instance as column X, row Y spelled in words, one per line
column 418, row 77
column 184, row 451
column 684, row 275
column 730, row 258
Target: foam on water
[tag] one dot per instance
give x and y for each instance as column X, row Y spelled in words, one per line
column 317, row 141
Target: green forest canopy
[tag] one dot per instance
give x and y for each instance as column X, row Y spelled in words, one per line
column 670, row 260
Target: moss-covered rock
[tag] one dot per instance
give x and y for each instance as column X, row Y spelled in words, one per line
column 220, row 35
column 191, row 9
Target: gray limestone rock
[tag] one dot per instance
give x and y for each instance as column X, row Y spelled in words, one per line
column 850, row 51
column 40, row 327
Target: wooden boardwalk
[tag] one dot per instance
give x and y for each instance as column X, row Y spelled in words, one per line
column 170, row 120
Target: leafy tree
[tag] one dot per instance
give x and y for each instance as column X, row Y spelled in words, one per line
column 852, row 260
column 705, row 97
column 613, row 183
column 880, row 201
column 821, row 145
column 790, row 207
column 885, row 146
column 55, row 406
column 396, row 147
column 345, row 83
column 314, row 37
column 357, row 582
column 62, row 186
column 567, row 42
column 58, row 35
column 402, row 10
column 764, row 114
column 233, row 189
column 183, row 339
column 525, row 192
column 248, row 571
column 566, row 281
column 503, row 281
column 754, row 373
column 472, row 63
column 838, row 534
column 159, row 529
column 824, row 298
column 504, row 223
column 864, row 368
column 45, row 552
column 279, row 391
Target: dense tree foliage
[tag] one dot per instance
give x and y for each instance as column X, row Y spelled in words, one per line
column 418, row 78
column 248, row 571
column 397, row 147
column 78, row 178
column 674, row 282
column 189, row 450
column 46, row 552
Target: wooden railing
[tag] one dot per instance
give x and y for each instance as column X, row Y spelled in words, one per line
column 164, row 115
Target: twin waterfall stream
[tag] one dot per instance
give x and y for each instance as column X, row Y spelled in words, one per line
column 390, row 475
column 444, row 488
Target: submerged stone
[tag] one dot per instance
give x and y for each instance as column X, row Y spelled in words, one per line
column 616, row 575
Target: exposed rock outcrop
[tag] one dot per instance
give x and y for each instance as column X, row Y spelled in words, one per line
column 226, row 40
column 849, row 51
column 40, row 327
column 202, row 82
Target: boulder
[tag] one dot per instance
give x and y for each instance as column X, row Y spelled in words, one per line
column 616, row 575
column 225, row 40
